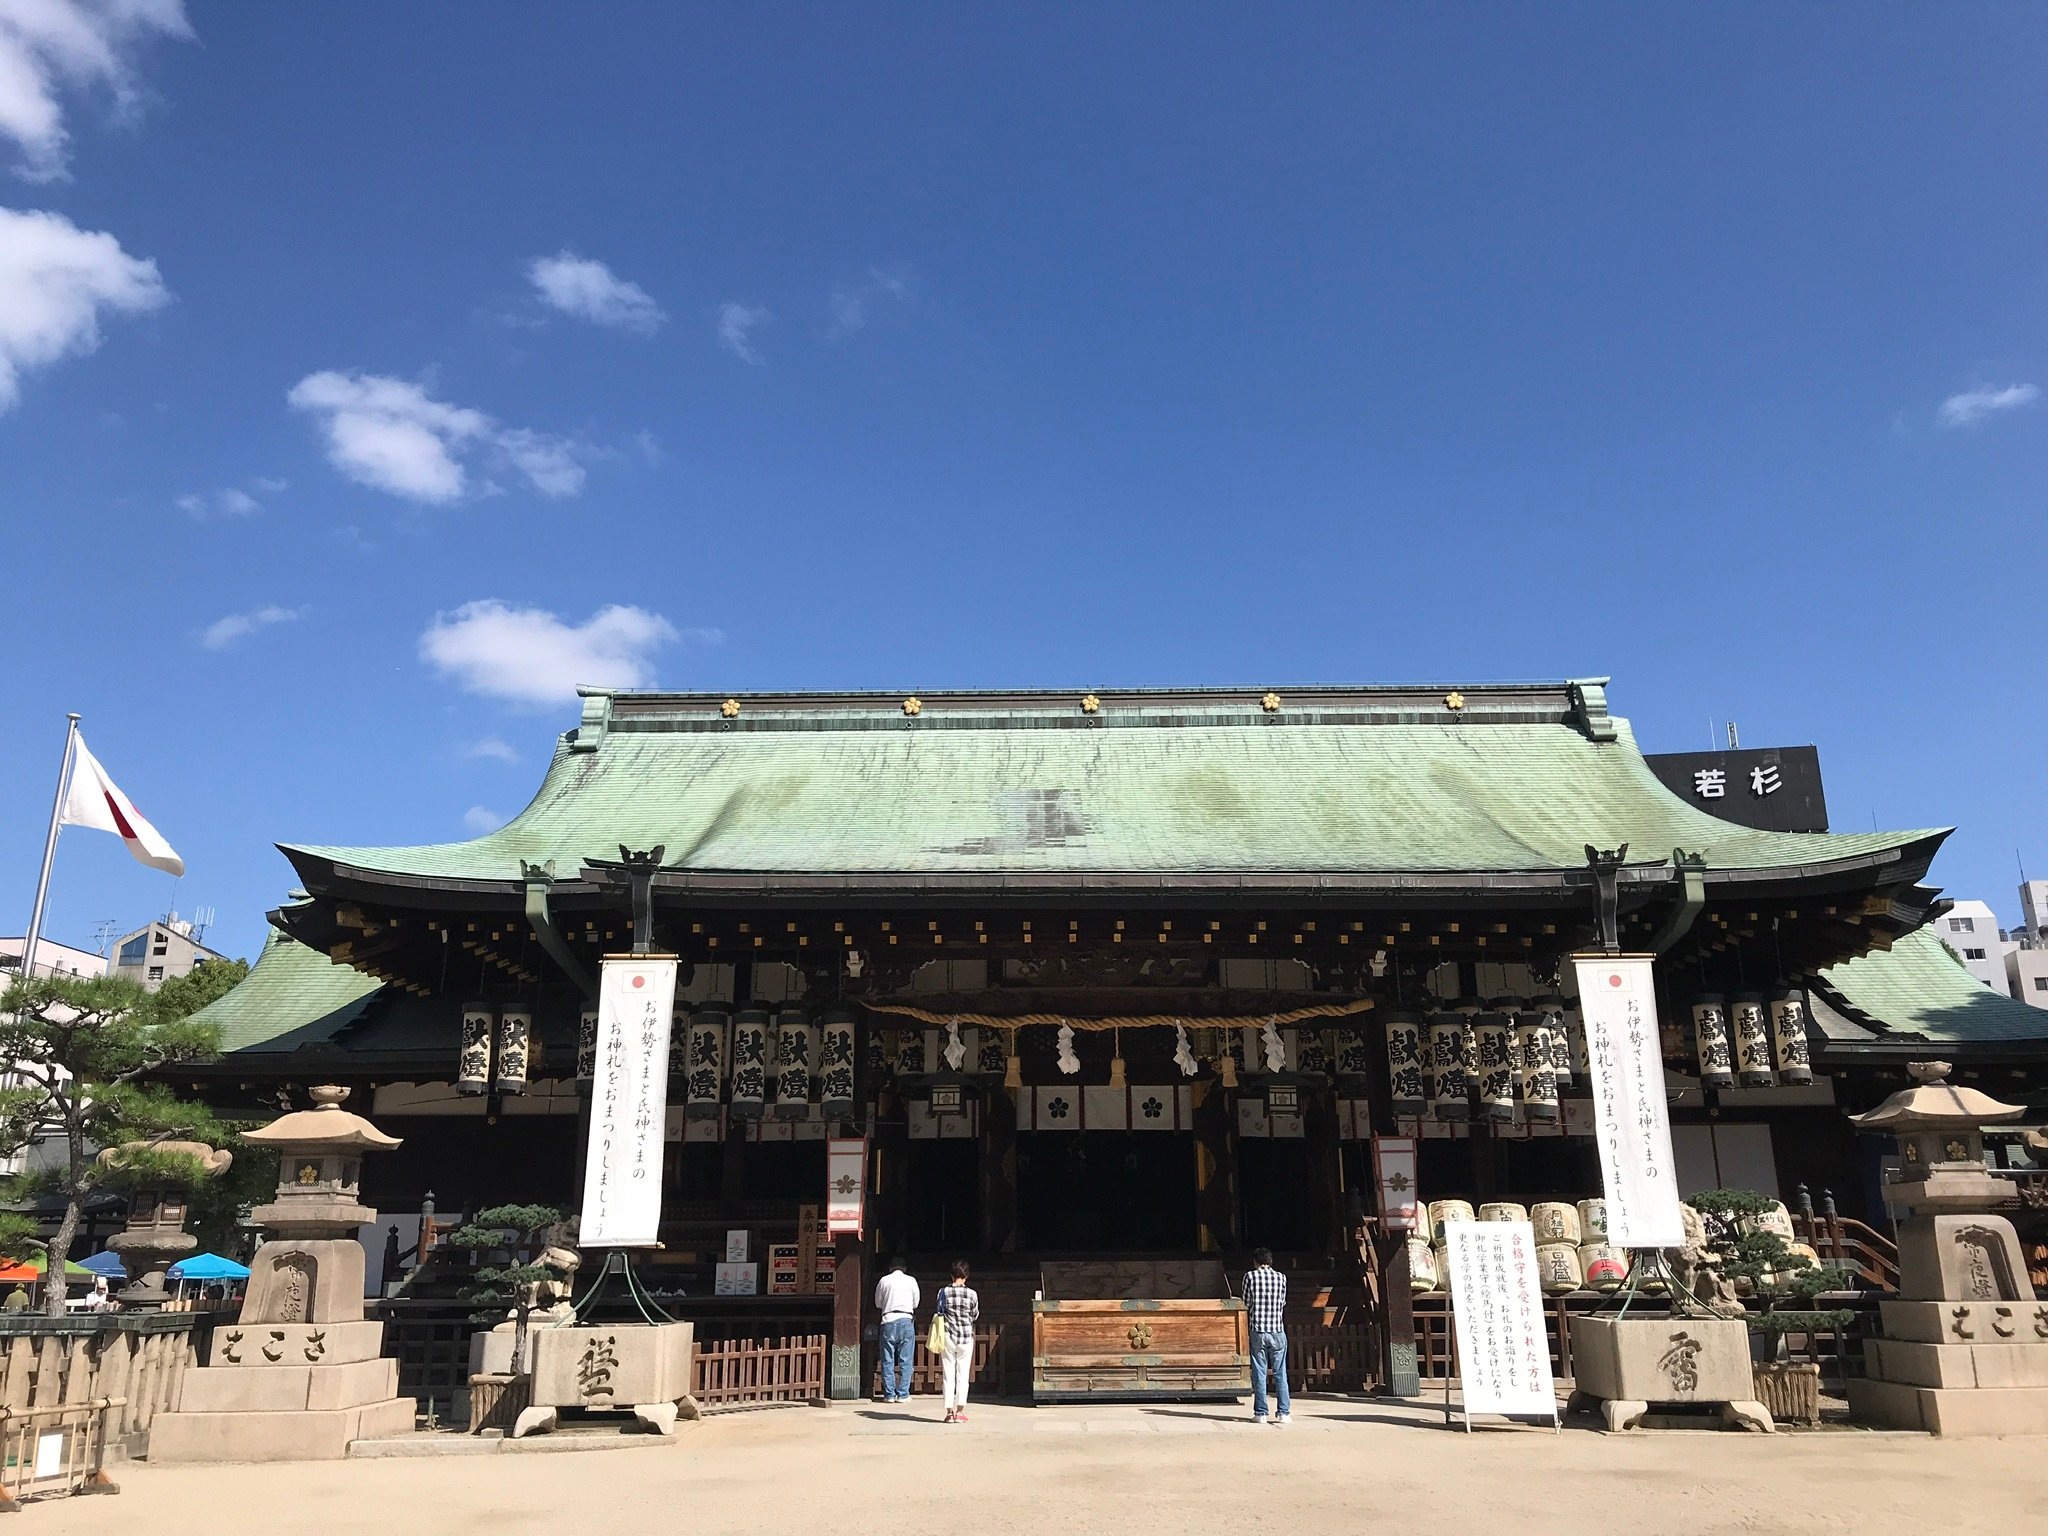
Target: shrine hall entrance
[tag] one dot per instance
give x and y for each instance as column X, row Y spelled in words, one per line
column 1106, row 1192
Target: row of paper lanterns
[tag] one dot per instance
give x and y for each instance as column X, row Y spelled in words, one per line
column 1497, row 1055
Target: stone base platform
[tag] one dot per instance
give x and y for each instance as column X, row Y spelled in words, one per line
column 1951, row 1410
column 287, row 1435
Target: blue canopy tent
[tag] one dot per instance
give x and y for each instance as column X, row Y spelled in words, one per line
column 107, row 1264
column 208, row 1266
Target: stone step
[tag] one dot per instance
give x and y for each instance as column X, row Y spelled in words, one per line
column 324, row 1435
column 289, row 1388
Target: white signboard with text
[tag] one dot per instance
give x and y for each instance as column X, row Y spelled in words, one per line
column 1497, row 1310
column 846, row 1178
column 628, row 1102
column 1631, row 1120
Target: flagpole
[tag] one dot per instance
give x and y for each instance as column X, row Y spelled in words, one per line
column 35, row 920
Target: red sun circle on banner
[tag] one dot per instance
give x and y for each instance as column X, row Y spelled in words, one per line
column 641, row 981
column 1612, row 981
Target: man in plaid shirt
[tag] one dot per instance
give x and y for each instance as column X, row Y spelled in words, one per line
column 1265, row 1303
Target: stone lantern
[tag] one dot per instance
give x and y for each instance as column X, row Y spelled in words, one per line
column 155, row 1237
column 1965, row 1348
column 302, row 1372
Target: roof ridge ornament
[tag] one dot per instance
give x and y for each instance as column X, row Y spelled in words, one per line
column 597, row 718
column 1606, row 866
column 1589, row 704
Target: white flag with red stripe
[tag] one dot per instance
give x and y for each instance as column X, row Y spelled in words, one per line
column 94, row 800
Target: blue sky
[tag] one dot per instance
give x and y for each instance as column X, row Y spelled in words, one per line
column 355, row 358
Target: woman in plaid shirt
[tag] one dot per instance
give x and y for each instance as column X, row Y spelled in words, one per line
column 958, row 1307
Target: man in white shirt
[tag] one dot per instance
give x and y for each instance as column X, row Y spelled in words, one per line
column 897, row 1297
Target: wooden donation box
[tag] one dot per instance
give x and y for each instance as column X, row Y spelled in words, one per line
column 1137, row 1329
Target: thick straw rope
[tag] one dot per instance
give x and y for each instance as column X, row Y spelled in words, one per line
column 1128, row 1021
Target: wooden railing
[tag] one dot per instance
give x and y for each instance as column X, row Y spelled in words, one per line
column 137, row 1358
column 1837, row 1351
column 745, row 1373
column 1335, row 1357
column 51, row 1451
column 1841, row 1240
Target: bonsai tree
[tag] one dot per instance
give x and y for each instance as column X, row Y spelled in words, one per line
column 77, row 1051
column 523, row 1260
column 1762, row 1264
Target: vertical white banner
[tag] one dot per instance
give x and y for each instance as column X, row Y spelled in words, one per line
column 846, row 1181
column 1497, row 1309
column 1631, row 1122
column 628, row 1102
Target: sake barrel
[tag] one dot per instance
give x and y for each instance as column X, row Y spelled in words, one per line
column 1422, row 1271
column 1557, row 1268
column 1441, row 1256
column 1772, row 1218
column 1593, row 1221
column 1792, row 1271
column 1441, row 1211
column 1604, row 1265
column 1555, row 1221
column 1503, row 1210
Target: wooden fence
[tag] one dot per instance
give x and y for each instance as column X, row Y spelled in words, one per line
column 1838, row 1352
column 746, row 1373
column 138, row 1359
column 1333, row 1357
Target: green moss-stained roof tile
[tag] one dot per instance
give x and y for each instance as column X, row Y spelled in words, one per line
column 292, row 996
column 1918, row 988
column 834, row 791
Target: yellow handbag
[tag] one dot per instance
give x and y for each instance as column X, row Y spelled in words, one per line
column 935, row 1336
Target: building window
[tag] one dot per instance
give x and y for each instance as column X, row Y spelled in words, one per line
column 2041, row 983
column 1962, row 925
column 156, row 973
column 1973, row 954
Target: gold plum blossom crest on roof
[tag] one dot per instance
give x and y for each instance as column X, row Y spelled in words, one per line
column 729, row 708
column 1090, row 704
column 1270, row 703
column 1454, row 701
column 913, row 705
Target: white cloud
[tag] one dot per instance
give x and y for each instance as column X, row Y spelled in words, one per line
column 391, row 435
column 853, row 304
column 269, row 484
column 590, row 290
column 222, row 633
column 49, row 46
column 229, row 501
column 736, row 322
column 55, row 281
column 549, row 462
column 531, row 656
column 1974, row 405
column 478, row 819
column 495, row 748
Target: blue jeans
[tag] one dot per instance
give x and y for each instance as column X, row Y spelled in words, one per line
column 1269, row 1353
column 899, row 1349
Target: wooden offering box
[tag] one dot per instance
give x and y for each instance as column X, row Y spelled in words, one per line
column 1102, row 1331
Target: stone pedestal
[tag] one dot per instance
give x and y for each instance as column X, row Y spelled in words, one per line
column 302, row 1373
column 643, row 1368
column 1638, row 1369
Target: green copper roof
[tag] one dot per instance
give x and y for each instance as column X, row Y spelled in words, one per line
column 1369, row 781
column 292, row 996
column 1917, row 988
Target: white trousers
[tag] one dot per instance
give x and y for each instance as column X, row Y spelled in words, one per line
column 955, row 1365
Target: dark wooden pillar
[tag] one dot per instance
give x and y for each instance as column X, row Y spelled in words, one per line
column 1397, row 1302
column 849, row 1293
column 1326, row 1183
column 998, row 1172
column 1215, row 1169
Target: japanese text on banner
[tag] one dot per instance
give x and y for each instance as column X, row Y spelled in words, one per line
column 1618, row 1003
column 628, row 1103
column 1497, row 1310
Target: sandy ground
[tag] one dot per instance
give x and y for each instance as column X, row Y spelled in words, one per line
column 1345, row 1464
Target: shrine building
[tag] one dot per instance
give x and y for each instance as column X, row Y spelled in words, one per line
column 1130, row 979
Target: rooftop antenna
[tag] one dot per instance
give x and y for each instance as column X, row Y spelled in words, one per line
column 1733, row 741
column 104, row 930
column 202, row 919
